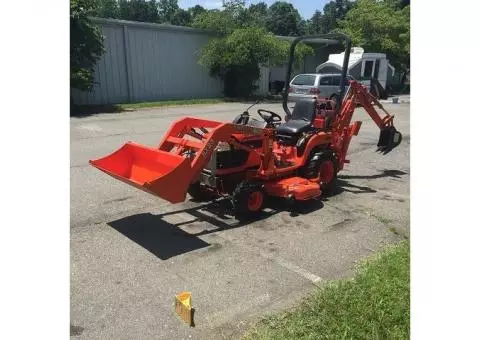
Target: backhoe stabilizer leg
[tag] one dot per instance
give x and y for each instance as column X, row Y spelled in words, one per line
column 389, row 139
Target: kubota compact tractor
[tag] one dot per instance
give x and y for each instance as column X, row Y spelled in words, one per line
column 249, row 159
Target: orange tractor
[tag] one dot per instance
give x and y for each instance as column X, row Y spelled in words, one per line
column 250, row 159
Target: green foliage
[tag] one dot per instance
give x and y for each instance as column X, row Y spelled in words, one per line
column 315, row 24
column 327, row 21
column 258, row 12
column 107, row 9
column 236, row 57
column 195, row 11
column 86, row 44
column 253, row 16
column 333, row 12
column 283, row 19
column 234, row 7
column 182, row 18
column 381, row 26
column 235, row 15
column 374, row 305
column 302, row 27
column 219, row 21
column 139, row 10
column 142, row 10
column 167, row 10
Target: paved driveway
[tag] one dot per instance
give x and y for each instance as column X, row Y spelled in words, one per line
column 132, row 252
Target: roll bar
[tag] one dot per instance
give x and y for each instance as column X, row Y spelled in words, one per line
column 337, row 38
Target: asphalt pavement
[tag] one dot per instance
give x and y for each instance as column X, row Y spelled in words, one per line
column 132, row 252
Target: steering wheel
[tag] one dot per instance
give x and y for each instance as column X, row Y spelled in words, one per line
column 271, row 118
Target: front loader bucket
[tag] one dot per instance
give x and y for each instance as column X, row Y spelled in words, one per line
column 389, row 139
column 160, row 173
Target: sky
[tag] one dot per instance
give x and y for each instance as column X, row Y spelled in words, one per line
column 305, row 7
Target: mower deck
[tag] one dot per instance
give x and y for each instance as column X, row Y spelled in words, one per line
column 297, row 188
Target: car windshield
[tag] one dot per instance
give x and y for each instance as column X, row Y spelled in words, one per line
column 304, row 79
column 336, row 80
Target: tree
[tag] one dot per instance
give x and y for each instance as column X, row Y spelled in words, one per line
column 258, row 10
column 195, row 11
column 234, row 15
column 138, row 10
column 239, row 14
column 236, row 58
column 342, row 7
column 167, row 10
column 399, row 4
column 215, row 20
column 315, row 24
column 381, row 26
column 234, row 7
column 302, row 28
column 86, row 44
column 333, row 12
column 107, row 9
column 254, row 16
column 283, row 19
column 182, row 18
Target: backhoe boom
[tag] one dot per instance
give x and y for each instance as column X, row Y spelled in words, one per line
column 358, row 94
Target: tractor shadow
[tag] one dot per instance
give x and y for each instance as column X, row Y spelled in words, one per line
column 344, row 185
column 384, row 173
column 166, row 239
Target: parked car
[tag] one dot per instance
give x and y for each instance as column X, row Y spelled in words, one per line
column 309, row 85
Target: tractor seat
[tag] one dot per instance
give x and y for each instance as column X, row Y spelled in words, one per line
column 293, row 127
column 300, row 122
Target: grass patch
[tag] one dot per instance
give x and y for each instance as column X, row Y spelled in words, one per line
column 373, row 305
column 161, row 103
column 397, row 232
column 383, row 219
column 86, row 110
column 82, row 110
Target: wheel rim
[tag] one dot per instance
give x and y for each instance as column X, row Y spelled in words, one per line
column 327, row 171
column 255, row 201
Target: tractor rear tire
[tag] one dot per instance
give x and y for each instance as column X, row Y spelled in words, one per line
column 199, row 193
column 248, row 199
column 322, row 163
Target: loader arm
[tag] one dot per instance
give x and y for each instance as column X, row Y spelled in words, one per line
column 168, row 170
column 206, row 135
column 358, row 94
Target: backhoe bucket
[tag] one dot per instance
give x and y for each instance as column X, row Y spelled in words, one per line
column 160, row 173
column 389, row 139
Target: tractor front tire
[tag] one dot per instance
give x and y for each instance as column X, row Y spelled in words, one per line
column 325, row 165
column 199, row 193
column 248, row 199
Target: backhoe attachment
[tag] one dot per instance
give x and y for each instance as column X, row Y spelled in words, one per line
column 389, row 139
